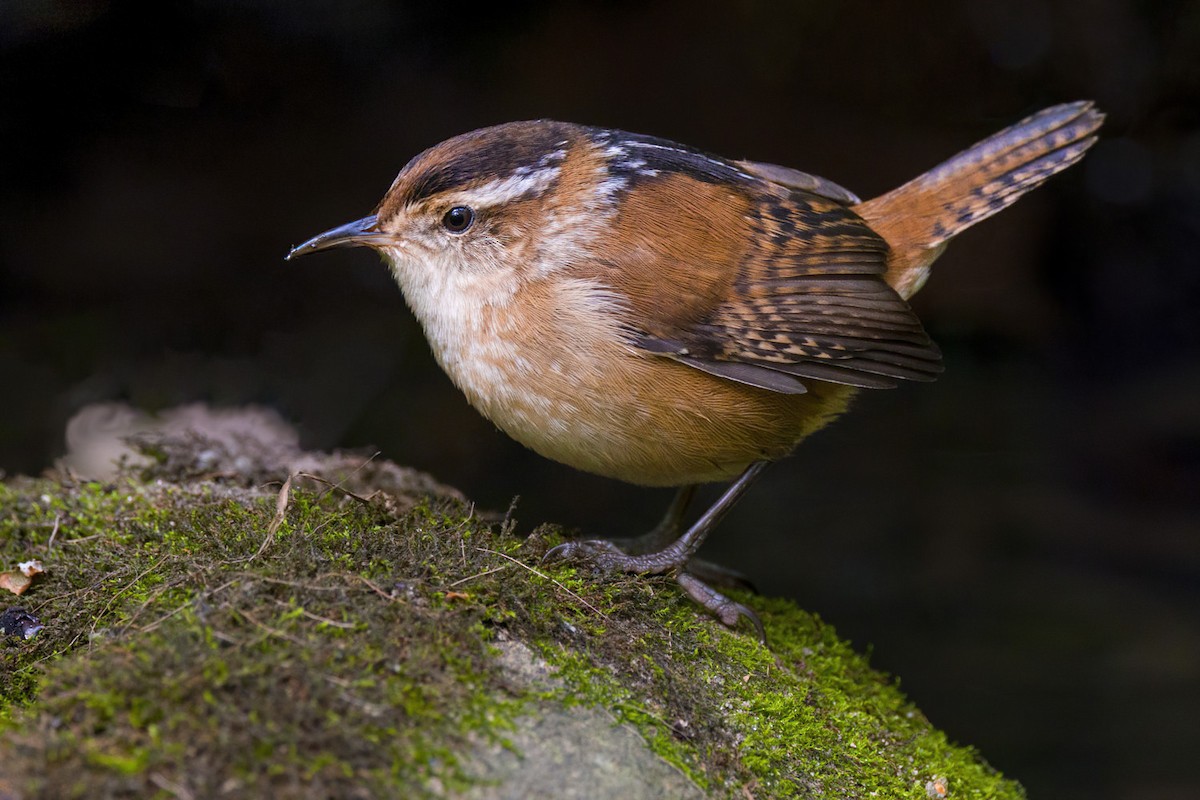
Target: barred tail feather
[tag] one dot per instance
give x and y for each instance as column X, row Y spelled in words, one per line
column 919, row 218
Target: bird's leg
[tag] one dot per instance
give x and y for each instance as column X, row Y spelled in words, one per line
column 666, row 531
column 606, row 555
column 676, row 555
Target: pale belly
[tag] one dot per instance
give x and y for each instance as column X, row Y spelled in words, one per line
column 654, row 422
column 567, row 385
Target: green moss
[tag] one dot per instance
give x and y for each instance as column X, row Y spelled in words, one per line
column 357, row 651
column 166, row 634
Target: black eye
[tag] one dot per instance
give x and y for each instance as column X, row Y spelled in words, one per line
column 458, row 219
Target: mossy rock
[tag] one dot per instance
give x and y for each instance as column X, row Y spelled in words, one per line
column 208, row 636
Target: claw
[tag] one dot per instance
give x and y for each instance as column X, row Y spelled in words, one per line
column 560, row 552
column 720, row 606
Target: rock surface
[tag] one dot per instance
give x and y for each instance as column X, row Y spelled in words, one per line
column 227, row 616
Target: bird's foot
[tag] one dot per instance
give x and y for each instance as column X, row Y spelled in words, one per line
column 606, row 556
column 665, row 550
column 717, row 604
column 601, row 552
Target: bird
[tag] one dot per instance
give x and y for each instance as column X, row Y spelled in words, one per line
column 649, row 312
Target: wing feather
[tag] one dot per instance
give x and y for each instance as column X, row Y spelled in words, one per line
column 764, row 282
column 808, row 301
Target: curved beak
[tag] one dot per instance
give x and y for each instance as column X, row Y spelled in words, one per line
column 360, row 233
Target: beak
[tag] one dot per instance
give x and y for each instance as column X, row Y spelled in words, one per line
column 360, row 233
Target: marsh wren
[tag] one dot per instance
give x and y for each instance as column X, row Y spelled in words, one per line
column 649, row 312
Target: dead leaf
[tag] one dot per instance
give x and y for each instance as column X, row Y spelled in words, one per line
column 15, row 582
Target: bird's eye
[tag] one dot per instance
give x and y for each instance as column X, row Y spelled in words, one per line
column 458, row 219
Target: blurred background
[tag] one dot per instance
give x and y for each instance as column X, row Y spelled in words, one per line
column 1020, row 541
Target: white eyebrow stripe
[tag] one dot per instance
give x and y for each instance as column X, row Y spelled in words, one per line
column 513, row 187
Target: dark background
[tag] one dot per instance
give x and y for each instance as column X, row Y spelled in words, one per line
column 1019, row 541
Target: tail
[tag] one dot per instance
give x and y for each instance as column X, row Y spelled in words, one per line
column 920, row 218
